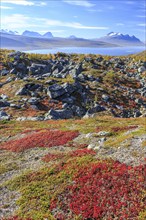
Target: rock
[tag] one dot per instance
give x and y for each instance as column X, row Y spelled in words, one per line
column 69, row 88
column 22, row 91
column 15, row 106
column 13, row 71
column 33, row 101
column 4, row 116
column 76, row 71
column 55, row 91
column 38, row 118
column 3, row 96
column 105, row 97
column 59, row 114
column 103, row 133
column 141, row 69
column 4, row 103
column 95, row 109
column 78, row 111
column 4, row 72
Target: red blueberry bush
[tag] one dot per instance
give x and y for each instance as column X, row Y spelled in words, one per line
column 82, row 152
column 126, row 128
column 103, row 190
column 50, row 157
column 45, row 138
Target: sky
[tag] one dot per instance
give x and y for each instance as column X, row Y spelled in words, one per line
column 82, row 18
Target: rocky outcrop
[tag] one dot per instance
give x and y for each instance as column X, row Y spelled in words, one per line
column 116, row 85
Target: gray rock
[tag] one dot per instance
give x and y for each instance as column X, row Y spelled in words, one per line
column 4, row 116
column 33, row 101
column 141, row 69
column 95, row 109
column 4, row 72
column 59, row 114
column 78, row 111
column 22, row 91
column 105, row 97
column 13, row 71
column 55, row 91
column 4, row 103
column 3, row 96
column 69, row 88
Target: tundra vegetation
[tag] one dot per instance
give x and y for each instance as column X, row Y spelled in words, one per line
column 72, row 166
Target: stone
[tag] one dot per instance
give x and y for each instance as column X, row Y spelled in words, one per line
column 33, row 101
column 141, row 69
column 55, row 91
column 4, row 72
column 4, row 116
column 103, row 133
column 4, row 103
column 22, row 91
column 59, row 114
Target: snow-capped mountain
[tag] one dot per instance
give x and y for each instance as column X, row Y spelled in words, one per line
column 121, row 39
column 6, row 31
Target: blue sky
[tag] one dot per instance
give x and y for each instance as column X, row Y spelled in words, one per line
column 83, row 18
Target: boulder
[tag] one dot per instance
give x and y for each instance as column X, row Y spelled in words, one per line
column 22, row 91
column 59, row 114
column 4, row 103
column 4, row 116
column 4, row 72
column 55, row 91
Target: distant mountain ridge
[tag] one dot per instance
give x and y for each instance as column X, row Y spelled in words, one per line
column 36, row 34
column 121, row 39
column 6, row 31
column 28, row 33
column 30, row 40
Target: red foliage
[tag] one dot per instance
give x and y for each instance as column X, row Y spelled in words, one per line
column 126, row 128
column 49, row 157
column 44, row 138
column 82, row 152
column 104, row 190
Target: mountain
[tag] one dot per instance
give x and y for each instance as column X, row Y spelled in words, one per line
column 72, row 37
column 31, row 34
column 121, row 39
column 48, row 35
column 21, row 42
column 6, row 31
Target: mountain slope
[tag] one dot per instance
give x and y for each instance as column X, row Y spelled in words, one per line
column 19, row 42
column 121, row 39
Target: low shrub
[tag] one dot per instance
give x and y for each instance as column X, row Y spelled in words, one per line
column 44, row 138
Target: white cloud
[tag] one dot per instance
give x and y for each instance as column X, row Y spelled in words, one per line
column 111, row 7
column 84, row 3
column 119, row 24
column 24, row 2
column 19, row 21
column 130, row 2
column 5, row 7
column 141, row 16
column 73, row 25
column 142, row 25
column 95, row 10
column 15, row 21
column 19, row 2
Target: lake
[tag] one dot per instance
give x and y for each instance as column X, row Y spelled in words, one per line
column 113, row 51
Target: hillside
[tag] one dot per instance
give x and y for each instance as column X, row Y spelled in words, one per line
column 72, row 136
